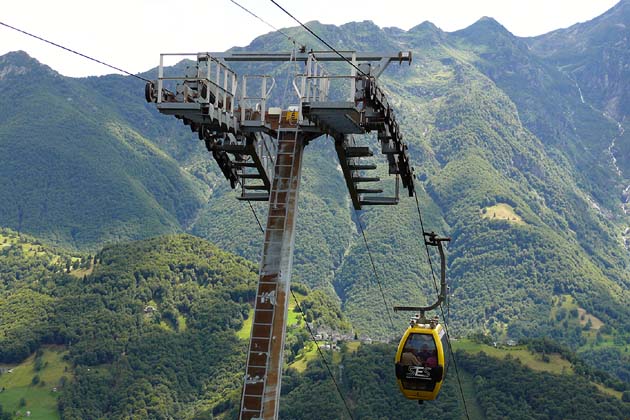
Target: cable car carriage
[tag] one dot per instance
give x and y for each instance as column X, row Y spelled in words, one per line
column 421, row 359
column 422, row 352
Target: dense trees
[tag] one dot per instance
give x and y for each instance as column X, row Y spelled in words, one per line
column 4, row 415
column 197, row 297
column 508, row 389
column 151, row 330
column 81, row 178
column 493, row 388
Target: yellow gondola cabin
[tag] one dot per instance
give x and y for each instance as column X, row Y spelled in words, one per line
column 420, row 359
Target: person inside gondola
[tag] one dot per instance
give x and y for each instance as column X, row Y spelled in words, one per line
column 408, row 358
column 424, row 352
column 432, row 360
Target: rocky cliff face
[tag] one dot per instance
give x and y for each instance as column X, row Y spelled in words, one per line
column 597, row 55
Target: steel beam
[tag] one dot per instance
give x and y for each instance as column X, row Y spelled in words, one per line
column 265, row 357
column 321, row 56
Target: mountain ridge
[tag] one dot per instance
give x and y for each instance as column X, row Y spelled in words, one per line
column 593, row 53
column 19, row 63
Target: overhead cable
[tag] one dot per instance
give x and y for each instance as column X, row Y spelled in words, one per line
column 290, row 38
column 321, row 354
column 74, row 52
column 378, row 280
column 256, row 216
column 448, row 337
column 319, row 38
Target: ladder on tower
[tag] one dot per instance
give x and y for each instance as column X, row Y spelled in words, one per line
column 262, row 382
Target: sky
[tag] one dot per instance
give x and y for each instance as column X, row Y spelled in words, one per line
column 130, row 34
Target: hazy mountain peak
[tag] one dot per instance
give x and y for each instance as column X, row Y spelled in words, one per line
column 617, row 15
column 19, row 63
column 591, row 53
column 615, row 19
column 313, row 23
column 486, row 31
column 367, row 24
column 426, row 34
column 622, row 7
column 393, row 30
column 487, row 23
column 17, row 56
column 424, row 27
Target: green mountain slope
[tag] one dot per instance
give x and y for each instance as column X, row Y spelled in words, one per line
column 474, row 152
column 76, row 174
column 479, row 142
column 150, row 330
column 595, row 53
column 493, row 126
column 549, row 105
column 147, row 328
column 494, row 388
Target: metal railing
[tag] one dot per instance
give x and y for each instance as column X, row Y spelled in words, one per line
column 261, row 106
column 314, row 84
column 209, row 81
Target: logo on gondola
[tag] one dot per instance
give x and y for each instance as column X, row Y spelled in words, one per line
column 418, row 372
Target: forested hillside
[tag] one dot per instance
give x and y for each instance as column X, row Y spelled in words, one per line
column 521, row 156
column 146, row 328
column 154, row 329
column 75, row 172
column 531, row 214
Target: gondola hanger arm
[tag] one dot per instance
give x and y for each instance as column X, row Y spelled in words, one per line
column 432, row 239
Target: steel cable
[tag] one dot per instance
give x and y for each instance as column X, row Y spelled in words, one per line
column 74, row 52
column 448, row 337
